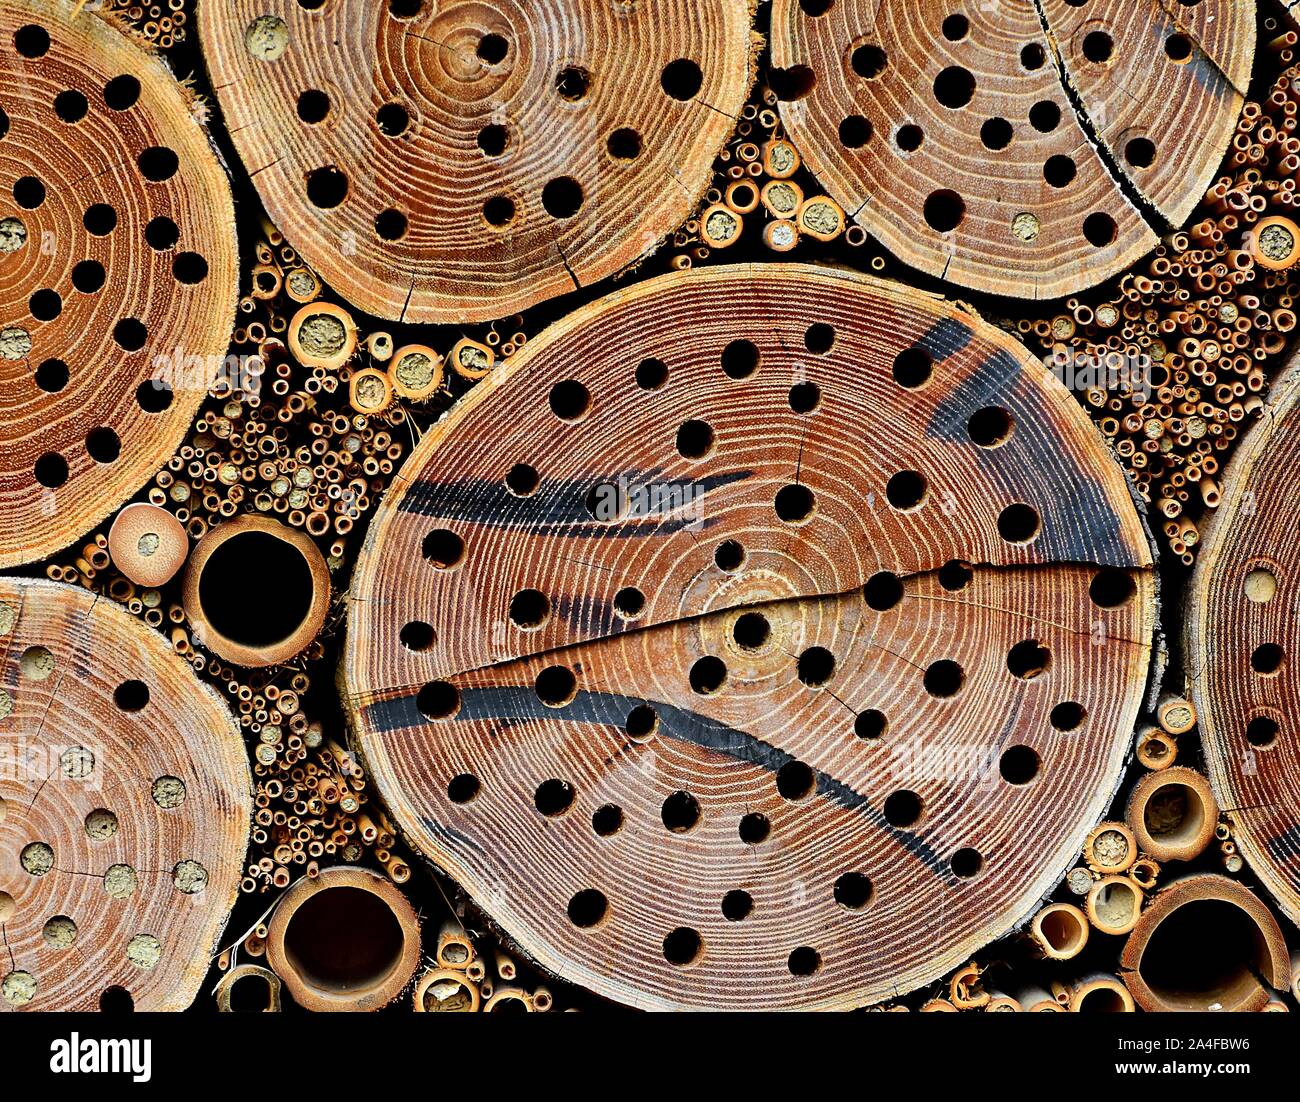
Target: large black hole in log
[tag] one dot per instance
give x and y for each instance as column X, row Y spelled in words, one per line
column 343, row 939
column 255, row 589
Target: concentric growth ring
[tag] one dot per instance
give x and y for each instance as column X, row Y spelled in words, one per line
column 117, row 271
column 445, row 162
column 771, row 636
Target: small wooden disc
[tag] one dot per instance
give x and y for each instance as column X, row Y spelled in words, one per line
column 1242, row 645
column 452, row 162
column 668, row 647
column 117, row 271
column 1000, row 147
column 124, row 807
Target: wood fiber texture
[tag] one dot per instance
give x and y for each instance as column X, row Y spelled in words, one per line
column 1028, row 148
column 579, row 716
column 133, row 774
column 492, row 155
column 117, row 272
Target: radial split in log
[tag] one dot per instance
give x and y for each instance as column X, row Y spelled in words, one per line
column 1242, row 643
column 476, row 158
column 117, row 272
column 675, row 633
column 124, row 811
column 1009, row 149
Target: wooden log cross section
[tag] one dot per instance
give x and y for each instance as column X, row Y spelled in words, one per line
column 762, row 637
column 124, row 808
column 1242, row 643
column 461, row 161
column 1028, row 147
column 117, row 271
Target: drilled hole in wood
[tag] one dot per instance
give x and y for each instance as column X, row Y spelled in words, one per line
column 751, row 630
column 438, row 700
column 681, row 79
column 853, row 890
column 944, row 678
column 954, row 87
column 754, row 828
column 804, row 961
column 740, row 359
column 587, row 908
column 529, row 608
column 1067, row 716
column 795, row 503
column 944, row 210
column 729, row 556
column 1019, row 765
column 1111, row 588
column 556, row 686
column 683, row 946
column 1018, row 523
column 680, row 812
column 553, row 797
column 1028, row 659
column 815, row 666
column 903, row 808
column 869, row 61
column 870, row 724
column 737, row 905
column 805, row 397
column 883, row 591
column 607, row 820
column 651, row 374
column 996, row 133
column 1266, row 658
column 795, row 781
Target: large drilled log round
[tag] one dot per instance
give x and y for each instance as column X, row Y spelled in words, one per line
column 444, row 162
column 612, row 663
column 117, row 271
column 1242, row 646
column 124, row 808
column 1009, row 147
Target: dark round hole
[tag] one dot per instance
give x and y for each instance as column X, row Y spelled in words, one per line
column 1266, row 658
column 629, row 602
column 737, row 905
column 955, row 575
column 815, row 666
column 708, row 674
column 754, row 828
column 651, row 374
column 121, row 92
column 100, row 219
column 29, row 192
column 681, row 79
column 1059, row 171
column 1178, row 47
column 906, row 490
column 751, row 630
column 944, row 678
column 729, row 555
column 883, row 591
column 1067, row 715
column 52, row 376
column 909, row 137
column 522, row 480
column 869, row 61
column 912, row 367
column 51, row 470
column 794, row 83
column 161, row 233
column 996, row 133
column 1098, row 47
column 154, row 395
column 1111, row 587
column 1045, row 116
column 855, row 131
column 804, row 961
column 31, row 40
column 45, row 304
column 404, row 9
column 944, row 210
column 1033, row 56
column 607, row 819
column 572, row 82
column 966, row 863
column 814, row 8
column 103, row 445
column 624, row 144
column 954, row 87
column 570, row 400
column 391, row 224
column 344, row 939
column 903, row 808
column 694, row 439
column 805, row 397
column 1029, row 658
column 680, row 812
column 556, row 686
column 116, row 1000
column 158, row 163
column 740, row 359
column 130, row 334
column 956, row 27
column 870, row 724
column 990, row 426
column 1261, row 731
column 88, row 276
column 1018, row 523
column 853, row 890
column 462, row 788
column 256, row 589
column 794, row 503
column 641, row 722
column 131, row 696
column 1140, row 152
column 326, row 187
column 553, row 797
column 393, row 119
column 587, row 908
column 189, row 268
column 416, row 635
column 529, row 608
column 71, row 106
column 492, row 49
column 682, row 946
column 1099, row 229
column 313, row 105
column 499, row 211
column 819, row 338
column 442, row 548
column 795, row 781
column 1019, row 765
